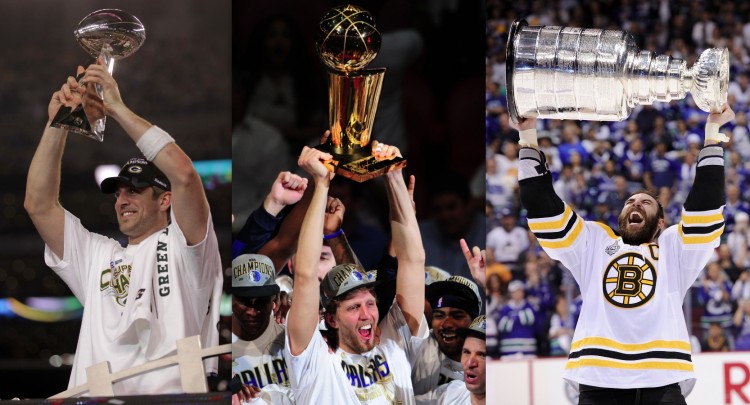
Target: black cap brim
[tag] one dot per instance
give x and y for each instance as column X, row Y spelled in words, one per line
column 256, row 292
column 109, row 185
column 441, row 288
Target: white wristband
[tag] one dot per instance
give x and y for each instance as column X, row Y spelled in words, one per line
column 153, row 141
column 527, row 137
column 713, row 134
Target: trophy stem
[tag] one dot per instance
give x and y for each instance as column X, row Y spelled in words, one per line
column 352, row 103
column 98, row 126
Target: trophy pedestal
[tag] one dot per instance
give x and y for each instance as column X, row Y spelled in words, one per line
column 361, row 166
column 75, row 120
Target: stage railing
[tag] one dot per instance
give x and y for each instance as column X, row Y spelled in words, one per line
column 189, row 358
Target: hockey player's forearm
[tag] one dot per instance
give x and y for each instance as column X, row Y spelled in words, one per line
column 535, row 182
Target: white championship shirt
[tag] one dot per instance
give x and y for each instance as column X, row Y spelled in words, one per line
column 261, row 363
column 453, row 393
column 380, row 376
column 433, row 368
column 139, row 300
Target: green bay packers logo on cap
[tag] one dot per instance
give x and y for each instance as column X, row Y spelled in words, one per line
column 629, row 281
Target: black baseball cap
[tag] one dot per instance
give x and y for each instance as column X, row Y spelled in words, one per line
column 137, row 172
column 455, row 292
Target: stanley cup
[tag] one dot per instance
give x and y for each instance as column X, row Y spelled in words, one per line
column 108, row 35
column 600, row 75
column 347, row 41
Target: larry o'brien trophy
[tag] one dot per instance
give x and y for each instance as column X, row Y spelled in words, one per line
column 600, row 75
column 346, row 41
column 108, row 35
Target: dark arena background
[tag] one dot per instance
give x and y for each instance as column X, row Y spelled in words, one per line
column 178, row 80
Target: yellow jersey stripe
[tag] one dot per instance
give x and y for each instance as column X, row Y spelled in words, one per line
column 567, row 241
column 699, row 239
column 646, row 365
column 701, row 219
column 551, row 225
column 654, row 344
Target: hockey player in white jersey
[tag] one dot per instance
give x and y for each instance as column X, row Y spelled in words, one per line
column 354, row 366
column 631, row 340
column 139, row 299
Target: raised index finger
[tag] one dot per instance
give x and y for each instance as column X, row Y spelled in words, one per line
column 465, row 249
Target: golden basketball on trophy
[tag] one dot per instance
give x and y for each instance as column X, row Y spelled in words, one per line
column 347, row 41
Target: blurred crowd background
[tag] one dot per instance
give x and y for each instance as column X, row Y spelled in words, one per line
column 596, row 165
column 178, row 80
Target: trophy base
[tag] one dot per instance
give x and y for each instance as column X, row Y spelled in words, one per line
column 362, row 166
column 76, row 121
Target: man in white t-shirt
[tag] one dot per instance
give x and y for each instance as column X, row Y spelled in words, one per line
column 258, row 341
column 473, row 362
column 454, row 303
column 166, row 283
column 355, row 365
column 506, row 242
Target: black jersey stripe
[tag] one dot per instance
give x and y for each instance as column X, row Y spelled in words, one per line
column 654, row 354
column 559, row 234
column 711, row 151
column 701, row 230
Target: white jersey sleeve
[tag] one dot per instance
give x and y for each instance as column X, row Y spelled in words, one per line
column 308, row 371
column 76, row 267
column 698, row 233
column 394, row 327
column 453, row 393
column 273, row 394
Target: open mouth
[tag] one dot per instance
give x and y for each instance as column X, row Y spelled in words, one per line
column 126, row 214
column 449, row 336
column 470, row 378
column 365, row 332
column 635, row 217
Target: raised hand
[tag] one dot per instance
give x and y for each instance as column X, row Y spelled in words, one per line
column 725, row 115
column 287, row 189
column 313, row 162
column 69, row 95
column 476, row 259
column 382, row 151
column 334, row 216
column 98, row 74
column 526, row 137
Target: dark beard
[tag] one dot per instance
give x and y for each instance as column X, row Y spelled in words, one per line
column 643, row 235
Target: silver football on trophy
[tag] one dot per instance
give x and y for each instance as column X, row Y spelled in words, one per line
column 106, row 35
column 115, row 30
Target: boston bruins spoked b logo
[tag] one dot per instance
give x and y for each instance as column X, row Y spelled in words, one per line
column 629, row 280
